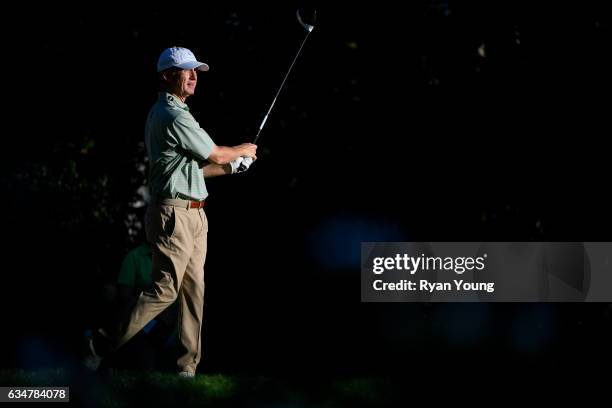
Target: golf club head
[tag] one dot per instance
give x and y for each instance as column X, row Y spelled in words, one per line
column 307, row 18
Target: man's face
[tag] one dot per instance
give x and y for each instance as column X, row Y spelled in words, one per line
column 183, row 82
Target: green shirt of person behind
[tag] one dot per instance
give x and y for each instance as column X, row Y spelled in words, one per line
column 136, row 268
column 135, row 276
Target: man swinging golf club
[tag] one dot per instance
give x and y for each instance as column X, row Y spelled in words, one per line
column 181, row 155
column 176, row 224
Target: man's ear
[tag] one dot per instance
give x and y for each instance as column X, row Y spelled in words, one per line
column 168, row 75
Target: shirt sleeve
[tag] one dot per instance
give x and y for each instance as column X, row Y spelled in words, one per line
column 191, row 137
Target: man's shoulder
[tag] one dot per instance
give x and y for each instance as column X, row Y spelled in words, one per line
column 142, row 250
column 167, row 112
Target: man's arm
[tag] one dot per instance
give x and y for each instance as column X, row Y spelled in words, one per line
column 241, row 164
column 194, row 140
column 225, row 154
column 214, row 170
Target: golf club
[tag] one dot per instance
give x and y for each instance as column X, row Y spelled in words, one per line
column 308, row 28
column 301, row 17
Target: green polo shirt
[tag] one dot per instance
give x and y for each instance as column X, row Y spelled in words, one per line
column 136, row 269
column 177, row 146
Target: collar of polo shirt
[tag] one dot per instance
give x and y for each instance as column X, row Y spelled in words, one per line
column 173, row 100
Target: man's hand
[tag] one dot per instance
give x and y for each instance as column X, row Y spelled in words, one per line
column 247, row 150
column 246, row 163
column 235, row 164
column 241, row 164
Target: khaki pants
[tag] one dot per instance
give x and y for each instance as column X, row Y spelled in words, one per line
column 177, row 235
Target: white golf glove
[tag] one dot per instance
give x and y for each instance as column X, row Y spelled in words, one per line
column 241, row 164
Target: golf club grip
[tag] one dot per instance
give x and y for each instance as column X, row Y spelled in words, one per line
column 261, row 127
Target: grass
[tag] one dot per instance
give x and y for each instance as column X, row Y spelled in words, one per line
column 126, row 389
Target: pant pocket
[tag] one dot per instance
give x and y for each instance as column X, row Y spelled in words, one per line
column 168, row 221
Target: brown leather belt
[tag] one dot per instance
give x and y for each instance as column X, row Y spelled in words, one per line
column 180, row 203
column 196, row 204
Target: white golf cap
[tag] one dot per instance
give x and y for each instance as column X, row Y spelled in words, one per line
column 181, row 58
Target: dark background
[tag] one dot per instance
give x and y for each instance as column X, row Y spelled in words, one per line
column 442, row 121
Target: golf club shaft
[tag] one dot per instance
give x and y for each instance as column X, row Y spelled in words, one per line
column 281, row 87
